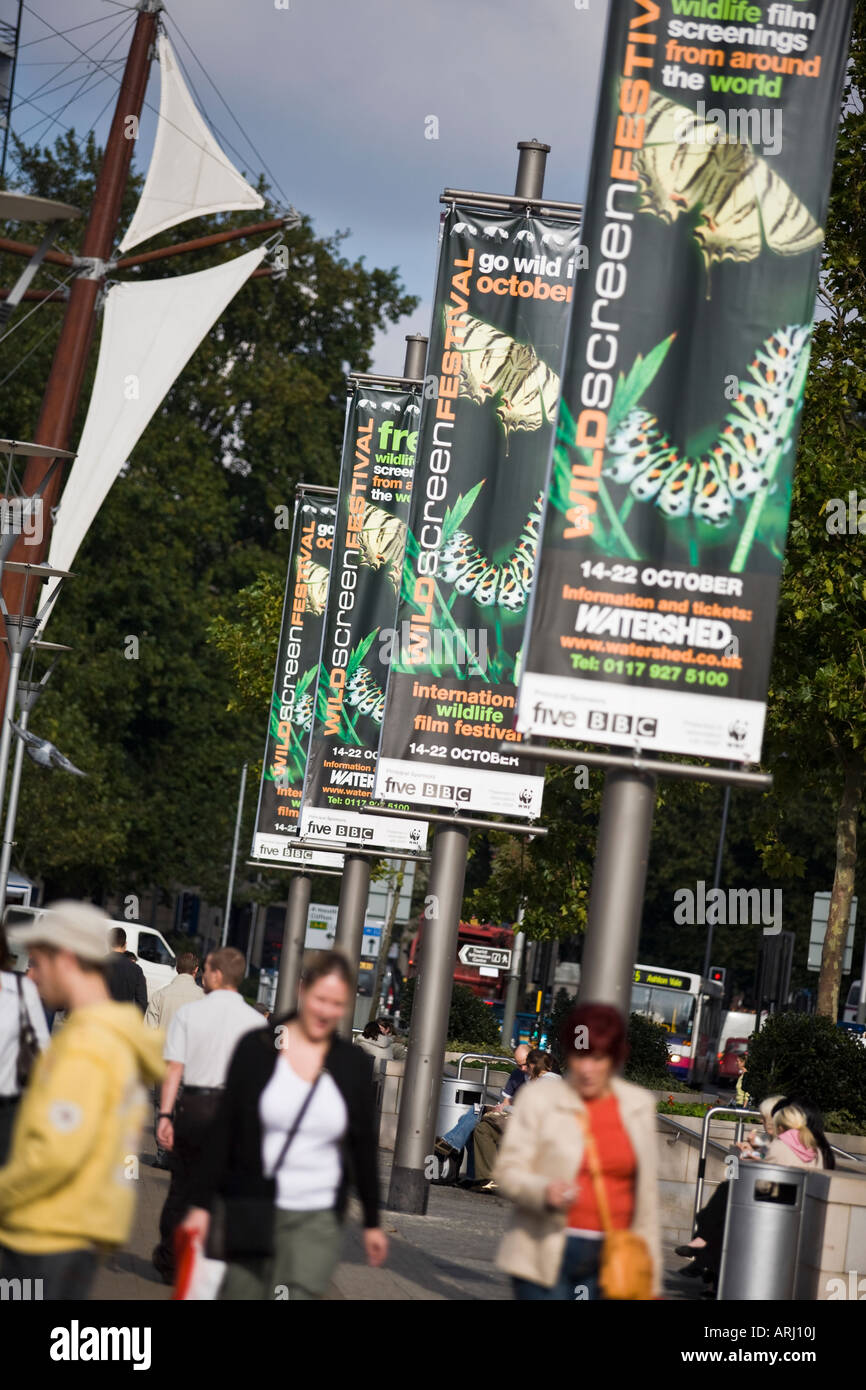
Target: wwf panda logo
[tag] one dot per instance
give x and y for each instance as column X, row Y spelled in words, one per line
column 737, row 733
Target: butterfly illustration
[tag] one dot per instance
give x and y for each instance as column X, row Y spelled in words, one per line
column 685, row 163
column 495, row 364
column 506, row 585
column 494, row 233
column 464, row 227
column 642, row 458
column 382, row 541
column 526, row 236
column 362, row 691
column 316, row 579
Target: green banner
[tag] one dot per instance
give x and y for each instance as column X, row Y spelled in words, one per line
column 291, row 714
column 372, row 509
column 669, row 491
column 499, row 320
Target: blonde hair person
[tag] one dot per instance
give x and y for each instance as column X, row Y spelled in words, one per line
column 756, row 1142
column 800, row 1141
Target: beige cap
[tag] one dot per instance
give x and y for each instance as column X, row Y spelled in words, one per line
column 68, row 926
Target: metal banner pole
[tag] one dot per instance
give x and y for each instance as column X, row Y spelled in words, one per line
column 509, row 1013
column 419, row 1100
column 294, row 934
column 350, row 923
column 231, row 888
column 616, row 897
column 717, row 876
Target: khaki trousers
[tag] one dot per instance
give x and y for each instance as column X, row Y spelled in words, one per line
column 306, row 1249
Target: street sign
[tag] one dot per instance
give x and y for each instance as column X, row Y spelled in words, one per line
column 372, row 938
column 321, row 927
column 820, row 916
column 485, row 955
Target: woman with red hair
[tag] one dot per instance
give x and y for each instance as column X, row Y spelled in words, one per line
column 579, row 1161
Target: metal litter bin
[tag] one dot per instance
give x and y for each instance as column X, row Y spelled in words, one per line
column 458, row 1095
column 763, row 1232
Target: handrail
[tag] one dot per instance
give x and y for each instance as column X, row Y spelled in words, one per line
column 486, row 1058
column 705, row 1135
column 688, row 1133
column 855, row 1158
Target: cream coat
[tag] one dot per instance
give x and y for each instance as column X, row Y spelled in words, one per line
column 543, row 1143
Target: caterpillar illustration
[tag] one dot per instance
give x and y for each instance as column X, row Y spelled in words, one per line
column 472, row 574
column 641, row 457
column 362, row 690
column 302, row 713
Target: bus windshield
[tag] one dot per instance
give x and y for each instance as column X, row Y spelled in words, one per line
column 673, row 1008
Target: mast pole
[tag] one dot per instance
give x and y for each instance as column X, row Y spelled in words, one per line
column 63, row 389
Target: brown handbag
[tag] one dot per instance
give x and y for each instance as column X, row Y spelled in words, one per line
column 626, row 1271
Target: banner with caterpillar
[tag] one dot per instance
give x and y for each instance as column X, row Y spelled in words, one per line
column 290, row 719
column 503, row 290
column 669, row 489
column 348, row 700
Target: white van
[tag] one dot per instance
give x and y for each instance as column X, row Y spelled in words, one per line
column 737, row 1024
column 149, row 947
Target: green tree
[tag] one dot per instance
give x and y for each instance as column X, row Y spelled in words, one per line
column 817, row 712
column 161, row 724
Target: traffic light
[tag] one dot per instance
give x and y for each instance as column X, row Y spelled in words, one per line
column 717, row 974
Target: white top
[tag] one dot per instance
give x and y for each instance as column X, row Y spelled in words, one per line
column 310, row 1175
column 10, row 1026
column 204, row 1034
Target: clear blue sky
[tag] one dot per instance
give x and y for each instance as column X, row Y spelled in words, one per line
column 335, row 97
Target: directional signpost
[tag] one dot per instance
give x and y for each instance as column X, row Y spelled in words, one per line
column 485, row 956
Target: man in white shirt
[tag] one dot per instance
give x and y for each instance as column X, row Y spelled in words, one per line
column 202, row 1037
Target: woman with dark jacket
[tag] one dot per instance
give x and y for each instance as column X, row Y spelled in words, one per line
column 296, row 1078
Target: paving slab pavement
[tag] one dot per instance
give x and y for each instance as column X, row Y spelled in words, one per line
column 445, row 1256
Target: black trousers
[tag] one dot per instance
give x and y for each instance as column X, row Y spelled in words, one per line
column 8, row 1115
column 65, row 1276
column 711, row 1228
column 193, row 1117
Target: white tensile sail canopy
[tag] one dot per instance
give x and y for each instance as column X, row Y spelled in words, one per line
column 189, row 176
column 149, row 333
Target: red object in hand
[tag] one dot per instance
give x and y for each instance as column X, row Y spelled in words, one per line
column 185, row 1251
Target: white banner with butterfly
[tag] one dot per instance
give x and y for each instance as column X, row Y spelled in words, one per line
column 669, row 487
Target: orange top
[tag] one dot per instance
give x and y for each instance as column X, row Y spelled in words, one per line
column 618, row 1167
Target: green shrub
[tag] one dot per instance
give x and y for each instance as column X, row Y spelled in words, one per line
column 842, row 1122
column 491, row 1050
column 469, row 1016
column 808, row 1056
column 647, row 1063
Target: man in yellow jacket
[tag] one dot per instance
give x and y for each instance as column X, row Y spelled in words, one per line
column 68, row 1190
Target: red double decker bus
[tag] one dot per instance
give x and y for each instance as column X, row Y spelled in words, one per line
column 491, row 988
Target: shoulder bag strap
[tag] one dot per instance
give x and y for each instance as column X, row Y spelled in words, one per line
column 25, row 1023
column 296, row 1124
column 595, row 1170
